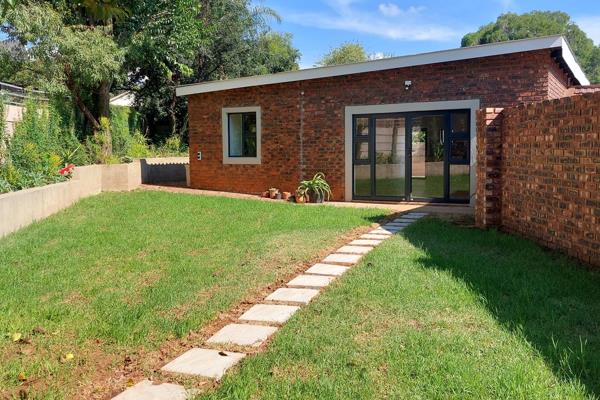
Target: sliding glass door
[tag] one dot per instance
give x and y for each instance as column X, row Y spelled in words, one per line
column 430, row 148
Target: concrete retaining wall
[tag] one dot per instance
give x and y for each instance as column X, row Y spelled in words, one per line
column 19, row 209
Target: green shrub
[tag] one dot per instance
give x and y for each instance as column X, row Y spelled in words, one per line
column 32, row 156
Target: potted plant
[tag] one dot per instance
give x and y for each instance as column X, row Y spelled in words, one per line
column 301, row 196
column 273, row 192
column 286, row 196
column 317, row 188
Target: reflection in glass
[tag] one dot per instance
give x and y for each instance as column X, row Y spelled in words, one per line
column 459, row 150
column 428, row 156
column 361, row 150
column 361, row 126
column 390, row 135
column 362, row 180
column 460, row 122
column 459, row 182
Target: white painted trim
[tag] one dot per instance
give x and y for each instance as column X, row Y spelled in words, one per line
column 225, row 135
column 472, row 105
column 463, row 53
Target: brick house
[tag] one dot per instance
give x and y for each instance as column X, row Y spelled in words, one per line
column 395, row 129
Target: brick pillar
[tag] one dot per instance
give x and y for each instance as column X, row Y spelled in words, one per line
column 489, row 164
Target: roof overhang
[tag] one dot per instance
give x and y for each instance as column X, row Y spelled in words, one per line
column 557, row 42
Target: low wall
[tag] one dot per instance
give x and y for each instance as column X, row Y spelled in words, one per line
column 21, row 208
column 542, row 179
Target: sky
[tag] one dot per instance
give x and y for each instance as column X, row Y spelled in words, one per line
column 400, row 27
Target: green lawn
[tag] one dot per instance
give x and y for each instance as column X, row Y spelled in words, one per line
column 425, row 187
column 439, row 312
column 121, row 274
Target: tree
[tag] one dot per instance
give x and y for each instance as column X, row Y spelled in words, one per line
column 512, row 26
column 347, row 53
column 275, row 53
column 220, row 39
column 64, row 58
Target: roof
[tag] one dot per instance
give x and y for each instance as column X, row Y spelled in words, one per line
column 125, row 99
column 464, row 53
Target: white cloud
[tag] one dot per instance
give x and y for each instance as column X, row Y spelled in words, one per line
column 591, row 26
column 392, row 10
column 345, row 16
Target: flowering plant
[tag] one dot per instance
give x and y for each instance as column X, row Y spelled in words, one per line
column 67, row 170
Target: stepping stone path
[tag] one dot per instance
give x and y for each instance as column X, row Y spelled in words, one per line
column 242, row 334
column 213, row 364
column 273, row 313
column 287, row 295
column 311, row 281
column 146, row 390
column 340, row 258
column 327, row 269
column 203, row 362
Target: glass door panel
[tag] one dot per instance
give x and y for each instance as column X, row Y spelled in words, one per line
column 361, row 157
column 390, row 157
column 428, row 156
column 459, row 182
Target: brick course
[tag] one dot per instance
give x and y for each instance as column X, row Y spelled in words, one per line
column 303, row 122
column 549, row 174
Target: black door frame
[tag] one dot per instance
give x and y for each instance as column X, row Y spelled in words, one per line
column 448, row 137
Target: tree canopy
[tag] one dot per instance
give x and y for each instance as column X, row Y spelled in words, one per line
column 346, row 53
column 512, row 26
column 89, row 50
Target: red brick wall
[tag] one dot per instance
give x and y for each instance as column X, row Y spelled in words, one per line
column 550, row 174
column 489, row 163
column 312, row 113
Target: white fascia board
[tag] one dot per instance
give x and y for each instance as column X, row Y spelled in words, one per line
column 463, row 53
column 572, row 63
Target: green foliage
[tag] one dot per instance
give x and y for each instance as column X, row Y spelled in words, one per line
column 125, row 122
column 347, row 53
column 37, row 149
column 276, row 53
column 316, row 186
column 512, row 26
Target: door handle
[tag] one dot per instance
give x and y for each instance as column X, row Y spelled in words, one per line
column 442, row 138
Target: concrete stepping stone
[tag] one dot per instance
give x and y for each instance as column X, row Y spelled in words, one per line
column 413, row 216
column 386, row 231
column 327, row 269
column 242, row 334
column 317, row 281
column 354, row 249
column 273, row 313
column 365, row 242
column 374, row 236
column 404, row 221
column 203, row 362
column 393, row 227
column 342, row 258
column 146, row 390
column 399, row 224
column 291, row 295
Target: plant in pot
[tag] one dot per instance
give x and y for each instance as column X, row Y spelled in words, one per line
column 316, row 188
column 273, row 193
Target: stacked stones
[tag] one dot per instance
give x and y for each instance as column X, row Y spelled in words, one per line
column 262, row 320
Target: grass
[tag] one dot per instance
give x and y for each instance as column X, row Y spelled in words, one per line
column 426, row 187
column 121, row 274
column 439, row 312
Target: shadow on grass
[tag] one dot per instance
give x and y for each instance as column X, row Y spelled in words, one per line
column 550, row 300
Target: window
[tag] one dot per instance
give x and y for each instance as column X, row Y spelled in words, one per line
column 241, row 135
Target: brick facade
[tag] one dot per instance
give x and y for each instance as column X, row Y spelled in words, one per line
column 303, row 122
column 489, row 163
column 548, row 173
